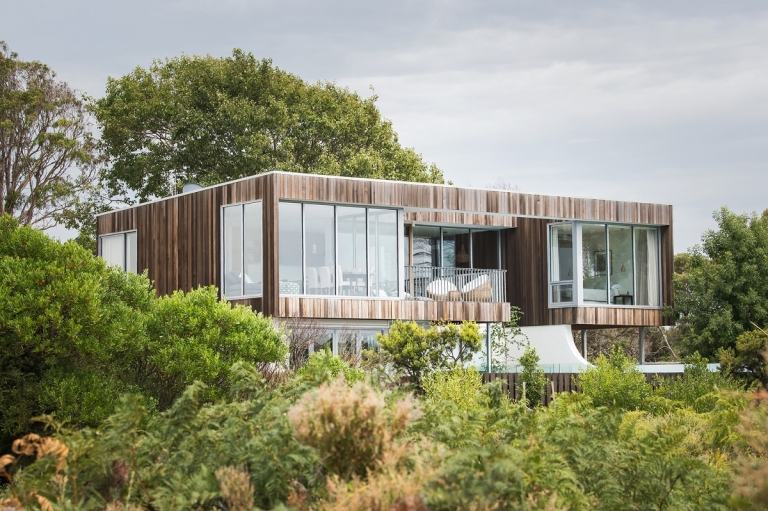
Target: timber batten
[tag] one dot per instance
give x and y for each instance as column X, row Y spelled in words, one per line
column 179, row 244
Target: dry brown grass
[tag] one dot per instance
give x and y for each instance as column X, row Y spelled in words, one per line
column 236, row 488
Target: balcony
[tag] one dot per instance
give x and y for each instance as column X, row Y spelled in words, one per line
column 455, row 284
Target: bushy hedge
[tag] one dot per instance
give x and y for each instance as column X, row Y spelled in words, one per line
column 76, row 334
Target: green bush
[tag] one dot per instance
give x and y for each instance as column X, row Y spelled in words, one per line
column 697, row 387
column 195, row 337
column 615, row 382
column 416, row 351
column 76, row 334
column 324, row 367
column 747, row 361
column 533, row 377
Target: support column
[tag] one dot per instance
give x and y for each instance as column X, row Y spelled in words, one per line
column 584, row 343
column 641, row 351
column 488, row 354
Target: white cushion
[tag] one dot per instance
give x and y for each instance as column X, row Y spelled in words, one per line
column 476, row 283
column 441, row 288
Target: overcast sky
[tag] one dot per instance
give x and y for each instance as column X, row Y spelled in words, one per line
column 654, row 101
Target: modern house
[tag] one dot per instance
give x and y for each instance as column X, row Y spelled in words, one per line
column 354, row 254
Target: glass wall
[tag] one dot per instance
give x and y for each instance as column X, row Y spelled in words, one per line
column 253, row 249
column 291, row 258
column 561, row 263
column 621, row 265
column 345, row 250
column 594, row 257
column 242, row 250
column 119, row 250
column 456, row 249
column 485, row 249
column 352, row 266
column 426, row 245
column 320, row 251
column 647, row 261
column 382, row 252
column 618, row 265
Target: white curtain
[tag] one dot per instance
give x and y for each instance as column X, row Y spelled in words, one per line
column 554, row 255
column 653, row 266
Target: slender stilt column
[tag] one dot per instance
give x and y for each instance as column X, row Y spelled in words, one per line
column 641, row 351
column 584, row 343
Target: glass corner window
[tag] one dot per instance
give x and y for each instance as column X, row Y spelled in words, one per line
column 603, row 264
column 119, row 250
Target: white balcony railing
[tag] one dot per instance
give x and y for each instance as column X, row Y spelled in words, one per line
column 456, row 284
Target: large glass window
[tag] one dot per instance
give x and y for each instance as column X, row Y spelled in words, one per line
column 561, row 263
column 291, row 257
column 345, row 250
column 320, row 252
column 647, row 262
column 119, row 250
column 426, row 245
column 594, row 257
column 621, row 265
column 485, row 249
column 242, row 250
column 352, row 268
column 618, row 265
column 382, row 252
column 253, row 249
column 456, row 248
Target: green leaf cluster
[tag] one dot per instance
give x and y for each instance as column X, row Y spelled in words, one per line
column 77, row 334
column 208, row 120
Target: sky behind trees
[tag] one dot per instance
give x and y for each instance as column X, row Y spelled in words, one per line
column 652, row 101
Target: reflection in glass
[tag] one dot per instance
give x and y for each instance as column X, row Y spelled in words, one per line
column 319, row 249
column 351, row 272
column 291, row 277
column 382, row 252
column 253, row 248
column 426, row 245
column 621, row 266
column 233, row 251
column 485, row 249
column 595, row 263
column 455, row 248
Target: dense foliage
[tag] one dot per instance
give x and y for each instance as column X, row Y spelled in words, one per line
column 208, row 120
column 76, row 334
column 721, row 288
column 462, row 445
column 415, row 351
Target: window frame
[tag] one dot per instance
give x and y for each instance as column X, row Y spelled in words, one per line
column 241, row 205
column 578, row 266
column 124, row 235
column 336, row 295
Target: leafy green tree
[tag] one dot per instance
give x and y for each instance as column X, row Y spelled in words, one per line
column 722, row 289
column 533, row 377
column 416, row 351
column 47, row 151
column 324, row 367
column 208, row 120
column 747, row 360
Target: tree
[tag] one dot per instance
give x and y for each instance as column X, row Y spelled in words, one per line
column 208, row 120
column 533, row 377
column 47, row 162
column 747, row 360
column 722, row 287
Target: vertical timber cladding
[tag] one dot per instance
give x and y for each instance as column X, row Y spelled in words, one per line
column 528, row 282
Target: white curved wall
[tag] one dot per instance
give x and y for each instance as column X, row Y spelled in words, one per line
column 555, row 347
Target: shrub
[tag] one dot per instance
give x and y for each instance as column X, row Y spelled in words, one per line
column 747, row 360
column 350, row 427
column 615, row 382
column 415, row 351
column 461, row 386
column 195, row 337
column 696, row 386
column 533, row 377
column 323, row 367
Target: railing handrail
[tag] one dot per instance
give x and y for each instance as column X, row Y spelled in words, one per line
column 447, row 283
